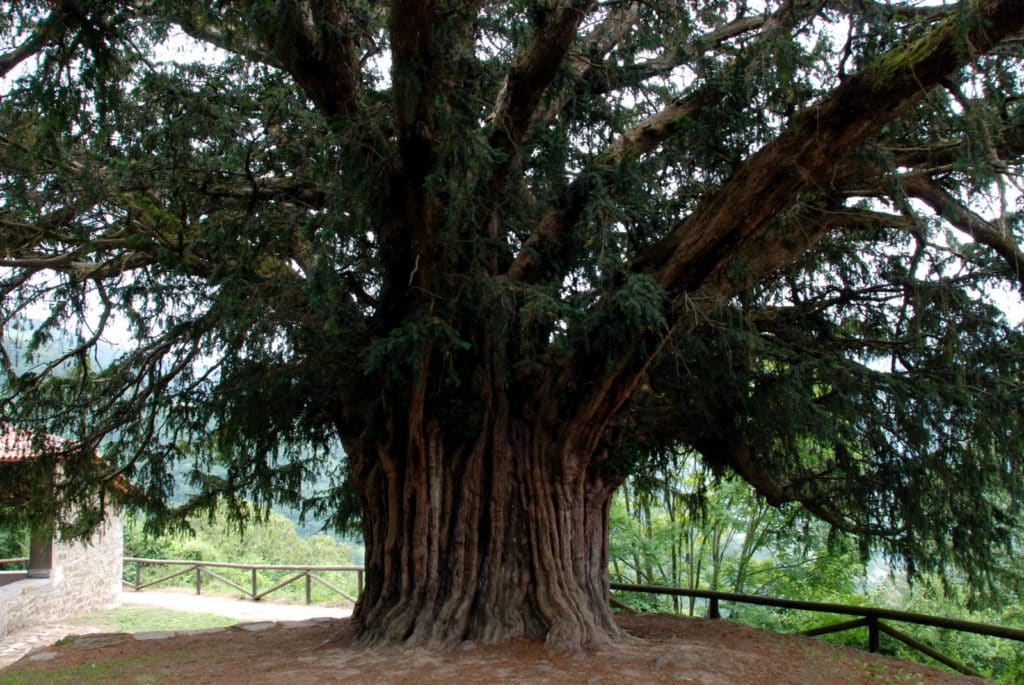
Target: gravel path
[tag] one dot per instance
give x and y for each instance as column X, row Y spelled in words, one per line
column 242, row 609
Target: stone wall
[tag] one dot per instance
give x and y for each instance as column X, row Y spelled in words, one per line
column 84, row 577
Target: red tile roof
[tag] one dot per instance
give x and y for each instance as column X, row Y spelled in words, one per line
column 18, row 444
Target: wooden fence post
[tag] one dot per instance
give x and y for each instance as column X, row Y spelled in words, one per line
column 309, row 588
column 199, row 580
column 713, row 608
column 138, row 575
column 873, row 640
column 254, row 585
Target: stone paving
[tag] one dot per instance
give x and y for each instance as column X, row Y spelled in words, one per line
column 16, row 645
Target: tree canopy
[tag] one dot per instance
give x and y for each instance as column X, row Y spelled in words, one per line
column 547, row 243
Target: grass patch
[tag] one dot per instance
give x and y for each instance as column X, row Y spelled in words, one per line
column 128, row 619
column 111, row 671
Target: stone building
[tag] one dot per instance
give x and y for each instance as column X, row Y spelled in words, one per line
column 61, row 578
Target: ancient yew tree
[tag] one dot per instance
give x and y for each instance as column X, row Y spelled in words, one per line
column 449, row 271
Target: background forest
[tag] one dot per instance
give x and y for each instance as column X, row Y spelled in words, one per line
column 682, row 527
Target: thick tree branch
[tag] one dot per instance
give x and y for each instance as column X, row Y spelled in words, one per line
column 656, row 129
column 806, row 154
column 551, row 236
column 426, row 36
column 430, row 41
column 227, row 38
column 734, row 454
column 315, row 42
column 415, row 79
column 53, row 24
column 596, row 46
column 529, row 76
column 532, row 72
column 701, row 258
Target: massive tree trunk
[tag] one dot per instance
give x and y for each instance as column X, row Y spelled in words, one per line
column 485, row 506
column 488, row 535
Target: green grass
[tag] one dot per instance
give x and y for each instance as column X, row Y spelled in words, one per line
column 98, row 672
column 137, row 619
column 124, row 619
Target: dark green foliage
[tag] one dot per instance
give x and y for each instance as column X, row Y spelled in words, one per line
column 13, row 544
column 308, row 222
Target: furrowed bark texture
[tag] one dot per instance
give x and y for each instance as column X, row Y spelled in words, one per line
column 483, row 539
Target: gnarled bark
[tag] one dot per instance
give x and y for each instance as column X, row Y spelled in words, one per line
column 486, row 538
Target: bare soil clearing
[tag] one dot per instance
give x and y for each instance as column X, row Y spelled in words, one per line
column 663, row 649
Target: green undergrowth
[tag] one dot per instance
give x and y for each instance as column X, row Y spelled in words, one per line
column 109, row 671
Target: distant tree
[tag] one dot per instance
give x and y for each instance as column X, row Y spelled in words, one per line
column 684, row 528
column 695, row 532
column 506, row 251
column 13, row 544
column 272, row 540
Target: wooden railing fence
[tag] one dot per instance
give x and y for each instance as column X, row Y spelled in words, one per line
column 20, row 561
column 309, row 574
column 871, row 617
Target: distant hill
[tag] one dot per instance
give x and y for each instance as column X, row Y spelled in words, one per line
column 16, row 341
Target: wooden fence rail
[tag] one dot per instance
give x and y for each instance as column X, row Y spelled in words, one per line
column 21, row 561
column 201, row 568
column 871, row 617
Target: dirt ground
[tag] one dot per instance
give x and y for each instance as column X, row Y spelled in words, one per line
column 663, row 649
